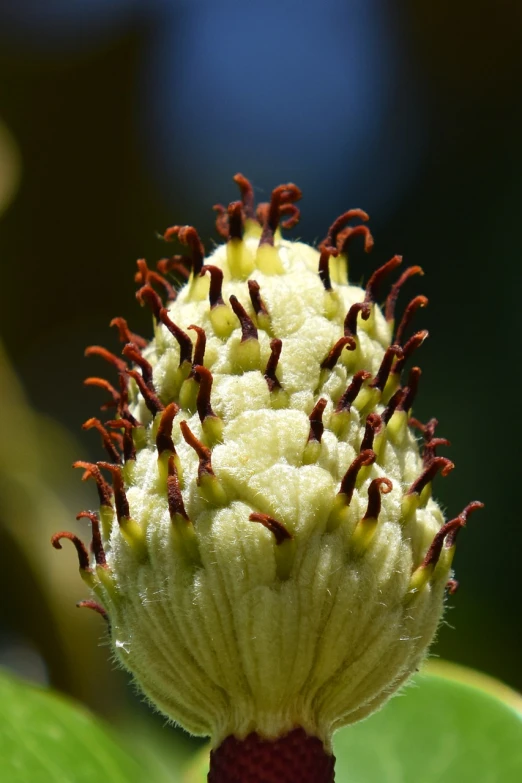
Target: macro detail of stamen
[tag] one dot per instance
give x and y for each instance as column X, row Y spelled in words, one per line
column 349, row 479
column 216, row 284
column 373, row 284
column 438, row 464
column 331, row 243
column 129, row 448
column 182, row 338
column 281, row 197
column 324, row 270
column 98, row 350
column 95, row 606
column 353, row 389
column 316, row 421
column 188, row 236
column 132, row 352
column 164, row 440
column 391, row 299
column 147, row 296
column 175, row 264
column 147, row 277
column 410, row 392
column 125, row 334
column 93, row 471
column 101, row 383
column 412, row 307
column 372, row 427
column 271, row 378
column 201, row 342
column 174, row 496
column 279, row 531
column 408, row 349
column 350, row 322
column 379, row 382
column 248, row 328
column 334, row 354
column 97, row 544
column 150, row 397
column 255, row 297
column 106, row 438
column 83, row 555
column 377, row 487
column 120, row 498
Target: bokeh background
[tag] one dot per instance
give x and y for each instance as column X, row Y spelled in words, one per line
column 119, row 118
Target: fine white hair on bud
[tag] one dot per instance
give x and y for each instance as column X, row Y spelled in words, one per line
column 268, row 553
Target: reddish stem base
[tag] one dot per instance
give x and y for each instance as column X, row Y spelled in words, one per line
column 294, row 758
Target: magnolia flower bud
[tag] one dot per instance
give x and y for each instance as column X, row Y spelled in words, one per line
column 268, row 553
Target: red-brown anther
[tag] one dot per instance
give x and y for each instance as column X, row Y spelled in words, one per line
column 255, row 297
column 235, row 220
column 146, row 276
column 330, row 242
column 221, row 220
column 430, row 449
column 412, row 307
column 331, row 359
column 83, row 555
column 120, row 498
column 125, row 334
column 215, row 292
column 204, row 454
column 407, row 350
column 363, row 459
column 324, row 270
column 175, row 264
column 377, row 487
column 352, row 391
column 247, row 195
column 392, row 406
column 375, row 280
column 201, row 342
column 452, row 586
column 148, row 296
column 105, row 436
column 350, row 322
column 204, row 378
column 379, row 382
column 151, row 399
column 433, row 553
column 391, row 299
column 129, row 449
column 248, row 327
column 164, row 440
column 281, row 196
column 182, row 338
column 428, row 474
column 316, row 421
column 294, row 213
column 410, row 392
column 373, row 425
column 174, row 496
column 277, row 528
column 93, row 471
column 104, row 384
column 427, row 430
column 97, row 544
column 98, row 350
column 132, row 352
column 475, row 505
column 188, row 235
column 271, row 366
column 347, row 234
column 123, row 407
column 88, row 604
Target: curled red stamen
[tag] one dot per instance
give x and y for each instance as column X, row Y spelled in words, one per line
column 248, row 328
column 255, row 298
column 379, row 486
column 452, row 586
column 129, row 449
column 235, row 220
column 448, row 534
column 278, row 530
column 391, row 299
column 101, row 383
column 430, row 449
column 148, row 296
column 182, row 338
column 373, row 425
column 151, row 399
column 98, row 350
column 201, row 342
column 175, row 264
column 294, row 215
column 204, row 378
column 375, row 280
column 215, row 293
column 412, row 307
column 125, row 334
column 428, row 474
column 120, row 498
column 330, row 243
column 188, row 235
column 392, row 406
column 363, row 459
column 350, row 322
column 427, row 430
column 475, row 505
column 332, row 357
column 352, row 391
column 410, row 392
column 316, row 421
column 347, row 234
column 88, row 604
column 132, row 352
column 174, row 496
column 93, row 471
column 379, row 382
column 83, row 555
column 204, row 454
column 247, row 195
column 271, row 367
column 221, row 220
column 164, row 440
column 410, row 347
column 145, row 276
column 324, row 269
column 281, row 196
column 123, row 408
column 105, row 436
column 97, row 544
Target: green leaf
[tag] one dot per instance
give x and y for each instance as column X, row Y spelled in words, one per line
column 451, row 725
column 45, row 738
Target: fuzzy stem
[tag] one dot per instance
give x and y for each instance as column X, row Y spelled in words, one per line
column 294, row 758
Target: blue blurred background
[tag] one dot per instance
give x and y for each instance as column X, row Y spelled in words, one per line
column 120, row 117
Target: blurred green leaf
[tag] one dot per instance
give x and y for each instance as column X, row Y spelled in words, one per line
column 451, row 724
column 45, row 738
